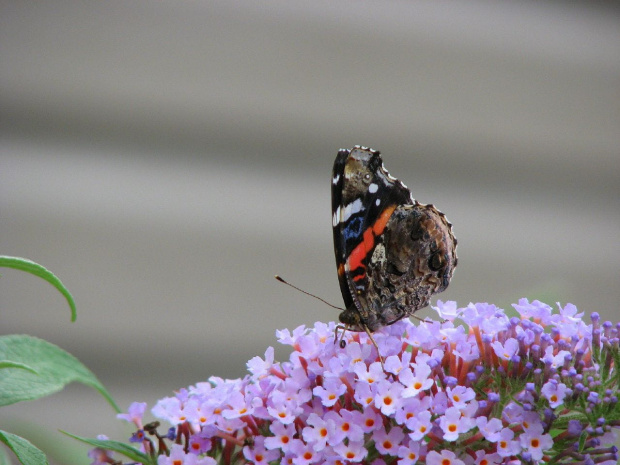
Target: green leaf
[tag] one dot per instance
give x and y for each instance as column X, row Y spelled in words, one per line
column 116, row 446
column 34, row 268
column 23, row 449
column 55, row 368
column 9, row 364
column 582, row 441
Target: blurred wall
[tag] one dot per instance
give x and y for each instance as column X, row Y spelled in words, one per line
column 166, row 159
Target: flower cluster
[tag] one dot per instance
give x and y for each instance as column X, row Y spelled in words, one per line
column 541, row 387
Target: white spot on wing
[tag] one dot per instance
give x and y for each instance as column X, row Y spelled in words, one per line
column 352, row 208
column 379, row 254
column 336, row 179
column 373, row 188
column 336, row 218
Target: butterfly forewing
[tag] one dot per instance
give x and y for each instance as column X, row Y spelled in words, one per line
column 363, row 197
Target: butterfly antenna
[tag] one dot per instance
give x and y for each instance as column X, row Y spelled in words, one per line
column 282, row 280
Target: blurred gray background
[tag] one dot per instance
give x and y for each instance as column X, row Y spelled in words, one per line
column 166, row 159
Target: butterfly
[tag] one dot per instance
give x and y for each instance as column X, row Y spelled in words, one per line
column 392, row 252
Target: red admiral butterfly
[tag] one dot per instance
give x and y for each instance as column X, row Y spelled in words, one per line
column 392, row 252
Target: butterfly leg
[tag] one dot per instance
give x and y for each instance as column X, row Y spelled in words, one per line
column 342, row 343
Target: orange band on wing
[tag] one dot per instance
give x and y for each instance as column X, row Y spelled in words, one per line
column 359, row 253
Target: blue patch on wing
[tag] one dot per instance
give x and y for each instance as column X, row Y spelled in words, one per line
column 353, row 229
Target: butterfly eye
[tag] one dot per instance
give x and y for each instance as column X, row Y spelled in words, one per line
column 367, row 177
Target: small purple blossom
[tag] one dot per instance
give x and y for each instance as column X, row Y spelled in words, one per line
column 258, row 455
column 409, row 453
column 351, row 451
column 330, row 391
column 387, row 443
column 179, row 457
column 490, row 429
column 447, row 310
column 101, row 456
column 506, row 445
column 554, row 392
column 454, row 423
column 506, row 350
column 388, row 397
column 535, row 442
column 134, row 414
column 259, row 367
column 282, row 436
column 434, row 400
column 444, row 457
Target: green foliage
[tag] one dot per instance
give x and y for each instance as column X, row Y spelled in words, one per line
column 23, row 449
column 31, row 267
column 49, row 370
column 31, row 368
column 116, row 446
column 10, row 364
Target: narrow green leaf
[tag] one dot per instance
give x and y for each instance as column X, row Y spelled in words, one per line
column 23, row 449
column 582, row 441
column 9, row 364
column 116, row 446
column 54, row 367
column 38, row 270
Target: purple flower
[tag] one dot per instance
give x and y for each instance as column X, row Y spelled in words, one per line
column 179, row 457
column 460, row 396
column 554, row 392
column 101, row 456
column 506, row 446
column 258, row 455
column 259, row 367
column 453, row 424
column 410, row 452
column 506, row 350
column 388, row 397
column 490, row 429
column 282, row 437
column 302, row 453
column 171, row 409
column 387, row 443
column 134, row 414
column 351, row 451
column 346, row 426
column 318, row 431
column 329, row 392
column 444, row 457
column 486, row 393
column 535, row 442
column 483, row 457
column 447, row 311
column 536, row 310
column 420, row 425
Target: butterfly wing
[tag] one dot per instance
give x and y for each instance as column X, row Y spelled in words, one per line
column 364, row 197
column 337, row 226
column 415, row 260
